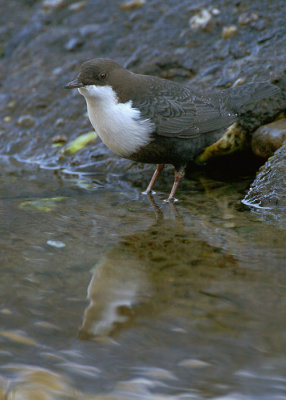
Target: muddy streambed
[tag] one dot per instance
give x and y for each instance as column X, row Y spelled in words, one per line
column 105, row 295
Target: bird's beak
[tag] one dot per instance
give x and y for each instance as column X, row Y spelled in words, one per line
column 74, row 84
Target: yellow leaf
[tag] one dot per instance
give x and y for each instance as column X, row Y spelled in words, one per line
column 80, row 142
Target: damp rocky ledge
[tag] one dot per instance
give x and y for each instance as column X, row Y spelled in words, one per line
column 208, row 47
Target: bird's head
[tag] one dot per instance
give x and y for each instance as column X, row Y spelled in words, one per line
column 96, row 74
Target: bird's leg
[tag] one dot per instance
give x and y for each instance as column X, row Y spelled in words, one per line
column 158, row 171
column 179, row 175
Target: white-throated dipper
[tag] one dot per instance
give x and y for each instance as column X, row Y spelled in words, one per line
column 153, row 120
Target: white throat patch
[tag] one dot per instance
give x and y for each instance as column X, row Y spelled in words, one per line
column 119, row 125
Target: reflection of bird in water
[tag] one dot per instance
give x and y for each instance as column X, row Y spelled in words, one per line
column 118, row 284
column 150, row 272
column 152, row 120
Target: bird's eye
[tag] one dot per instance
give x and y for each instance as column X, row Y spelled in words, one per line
column 102, row 75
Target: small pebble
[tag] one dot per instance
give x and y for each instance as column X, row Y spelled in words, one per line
column 229, row 225
column 180, row 50
column 5, row 311
column 7, row 119
column 228, row 31
column 239, row 81
column 11, row 104
column 57, row 71
column 215, row 11
column 247, row 18
column 26, row 121
column 60, row 139
column 89, row 29
column 46, row 325
column 73, row 44
column 179, row 330
column 50, row 4
column 193, row 363
column 77, row 6
column 56, row 243
column 59, row 122
column 227, row 216
column 157, row 373
column 17, row 337
column 127, row 5
column 200, row 20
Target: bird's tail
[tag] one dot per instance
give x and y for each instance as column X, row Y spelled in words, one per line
column 243, row 95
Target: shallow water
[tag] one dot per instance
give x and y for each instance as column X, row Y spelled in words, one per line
column 106, row 295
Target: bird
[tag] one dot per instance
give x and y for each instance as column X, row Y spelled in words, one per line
column 149, row 119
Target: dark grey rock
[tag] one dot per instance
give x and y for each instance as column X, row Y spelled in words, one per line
column 267, row 194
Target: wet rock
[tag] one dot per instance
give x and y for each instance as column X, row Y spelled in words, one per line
column 248, row 18
column 229, row 31
column 268, row 138
column 256, row 114
column 74, row 44
column 26, row 121
column 268, row 191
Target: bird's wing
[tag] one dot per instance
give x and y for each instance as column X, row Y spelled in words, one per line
column 177, row 112
column 182, row 114
column 191, row 118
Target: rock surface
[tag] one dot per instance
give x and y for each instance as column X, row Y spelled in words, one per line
column 267, row 194
column 268, row 138
column 44, row 43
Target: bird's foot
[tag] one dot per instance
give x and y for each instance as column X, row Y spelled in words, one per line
column 149, row 193
column 171, row 200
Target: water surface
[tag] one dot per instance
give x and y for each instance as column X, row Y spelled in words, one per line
column 106, row 295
